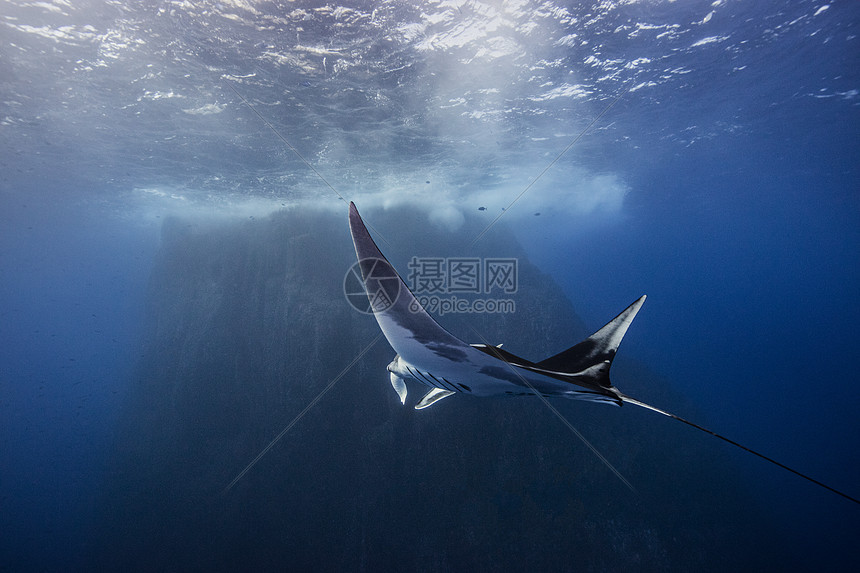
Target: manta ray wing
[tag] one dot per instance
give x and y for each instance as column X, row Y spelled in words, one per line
column 410, row 330
column 600, row 346
column 432, row 356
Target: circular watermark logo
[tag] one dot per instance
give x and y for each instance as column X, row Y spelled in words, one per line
column 371, row 285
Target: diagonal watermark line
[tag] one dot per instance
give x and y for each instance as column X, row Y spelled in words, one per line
column 284, row 139
column 547, row 168
column 296, row 151
column 558, row 415
column 292, row 423
column 582, row 438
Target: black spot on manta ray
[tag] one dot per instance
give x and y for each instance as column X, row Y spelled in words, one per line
column 426, row 332
column 502, row 373
column 452, row 353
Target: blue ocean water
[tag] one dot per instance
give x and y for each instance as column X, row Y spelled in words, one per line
column 703, row 153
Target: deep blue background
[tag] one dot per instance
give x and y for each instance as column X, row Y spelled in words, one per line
column 741, row 222
column 72, row 307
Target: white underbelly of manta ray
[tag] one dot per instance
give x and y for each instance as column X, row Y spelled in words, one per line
column 430, row 355
column 445, row 382
column 433, row 357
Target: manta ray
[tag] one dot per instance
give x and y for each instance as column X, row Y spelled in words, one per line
column 433, row 357
column 429, row 355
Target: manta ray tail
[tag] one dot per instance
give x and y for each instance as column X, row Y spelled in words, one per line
column 596, row 352
column 630, row 400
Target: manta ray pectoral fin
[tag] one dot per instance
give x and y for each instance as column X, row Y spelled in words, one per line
column 432, row 397
column 399, row 386
column 597, row 371
column 594, row 355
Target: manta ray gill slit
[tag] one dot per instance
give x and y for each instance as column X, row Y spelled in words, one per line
column 581, row 372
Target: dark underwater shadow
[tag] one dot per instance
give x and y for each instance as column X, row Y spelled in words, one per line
column 248, row 323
